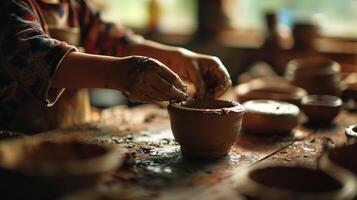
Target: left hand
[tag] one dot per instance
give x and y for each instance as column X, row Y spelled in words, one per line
column 207, row 73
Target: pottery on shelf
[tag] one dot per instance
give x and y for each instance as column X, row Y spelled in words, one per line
column 5, row 135
column 351, row 134
column 274, row 88
column 321, row 108
column 317, row 75
column 40, row 169
column 293, row 182
column 205, row 129
column 267, row 117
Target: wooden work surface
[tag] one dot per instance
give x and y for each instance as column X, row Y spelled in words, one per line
column 155, row 169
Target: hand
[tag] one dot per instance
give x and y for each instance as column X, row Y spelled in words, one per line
column 207, row 73
column 149, row 80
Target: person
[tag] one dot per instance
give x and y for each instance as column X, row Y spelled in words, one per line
column 44, row 75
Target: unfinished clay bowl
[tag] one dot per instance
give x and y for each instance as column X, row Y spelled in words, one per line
column 321, row 109
column 274, row 88
column 266, row 117
column 205, row 129
column 40, row 168
column 317, row 75
column 351, row 134
column 294, row 182
column 341, row 162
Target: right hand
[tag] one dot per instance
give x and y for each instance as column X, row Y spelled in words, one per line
column 150, row 80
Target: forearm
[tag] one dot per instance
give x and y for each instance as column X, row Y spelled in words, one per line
column 79, row 70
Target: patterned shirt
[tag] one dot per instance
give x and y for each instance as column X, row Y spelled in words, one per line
column 29, row 57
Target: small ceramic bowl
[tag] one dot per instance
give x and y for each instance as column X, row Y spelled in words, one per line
column 205, row 129
column 274, row 88
column 266, row 117
column 351, row 134
column 293, row 182
column 321, row 108
column 317, row 75
column 49, row 168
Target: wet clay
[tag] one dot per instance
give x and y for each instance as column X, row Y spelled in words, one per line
column 269, row 117
column 205, row 129
column 321, row 108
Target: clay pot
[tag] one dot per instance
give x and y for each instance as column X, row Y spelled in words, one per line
column 43, row 169
column 351, row 134
column 205, row 129
column 317, row 75
column 321, row 108
column 274, row 88
column 269, row 117
column 293, row 182
column 341, row 162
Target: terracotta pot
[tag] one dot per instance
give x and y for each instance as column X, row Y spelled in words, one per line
column 341, row 162
column 274, row 88
column 205, row 129
column 317, row 75
column 43, row 169
column 269, row 117
column 293, row 182
column 321, row 108
column 351, row 134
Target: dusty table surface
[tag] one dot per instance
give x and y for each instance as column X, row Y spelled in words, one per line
column 155, row 169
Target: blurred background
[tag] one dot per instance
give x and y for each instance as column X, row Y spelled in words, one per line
column 243, row 33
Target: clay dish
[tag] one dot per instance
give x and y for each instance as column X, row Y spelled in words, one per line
column 274, row 88
column 53, row 167
column 269, row 117
column 205, row 129
column 293, row 182
column 321, row 108
column 317, row 75
column 351, row 134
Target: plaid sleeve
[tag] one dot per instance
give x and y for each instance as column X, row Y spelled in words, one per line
column 29, row 55
column 99, row 37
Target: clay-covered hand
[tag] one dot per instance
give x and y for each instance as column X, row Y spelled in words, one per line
column 207, row 73
column 150, row 80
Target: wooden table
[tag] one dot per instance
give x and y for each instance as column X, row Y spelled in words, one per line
column 155, row 169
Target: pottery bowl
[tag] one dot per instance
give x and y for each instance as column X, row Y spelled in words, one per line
column 205, row 129
column 53, row 167
column 317, row 75
column 351, row 134
column 321, row 108
column 294, row 182
column 274, row 88
column 266, row 117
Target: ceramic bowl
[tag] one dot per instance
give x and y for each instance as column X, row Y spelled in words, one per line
column 205, row 129
column 38, row 169
column 266, row 117
column 351, row 134
column 321, row 108
column 274, row 88
column 293, row 182
column 317, row 75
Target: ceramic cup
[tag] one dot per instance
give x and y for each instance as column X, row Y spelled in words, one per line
column 351, row 134
column 205, row 129
column 321, row 108
column 317, row 75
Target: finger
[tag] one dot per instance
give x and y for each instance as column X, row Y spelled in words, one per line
column 195, row 77
column 172, row 78
column 168, row 90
